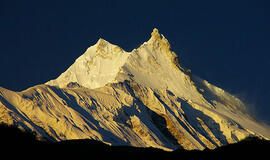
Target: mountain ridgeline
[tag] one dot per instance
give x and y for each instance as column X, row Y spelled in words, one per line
column 142, row 98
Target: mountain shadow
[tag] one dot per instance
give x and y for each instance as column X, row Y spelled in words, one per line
column 14, row 140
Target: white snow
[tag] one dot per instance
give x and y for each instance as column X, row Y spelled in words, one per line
column 98, row 66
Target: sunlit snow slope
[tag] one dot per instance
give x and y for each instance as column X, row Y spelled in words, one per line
column 139, row 98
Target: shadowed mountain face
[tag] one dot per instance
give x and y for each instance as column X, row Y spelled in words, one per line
column 23, row 143
column 142, row 98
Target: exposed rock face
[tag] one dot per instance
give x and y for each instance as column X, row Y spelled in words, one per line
column 140, row 98
column 73, row 85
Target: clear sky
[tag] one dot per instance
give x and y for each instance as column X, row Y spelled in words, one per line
column 225, row 42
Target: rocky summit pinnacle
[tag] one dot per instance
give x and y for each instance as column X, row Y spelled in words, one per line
column 141, row 98
column 155, row 34
column 159, row 41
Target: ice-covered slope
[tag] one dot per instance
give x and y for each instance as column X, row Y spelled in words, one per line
column 139, row 98
column 98, row 66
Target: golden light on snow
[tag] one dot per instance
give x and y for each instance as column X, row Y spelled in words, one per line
column 140, row 98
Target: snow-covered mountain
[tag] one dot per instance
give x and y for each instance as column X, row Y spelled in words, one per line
column 139, row 98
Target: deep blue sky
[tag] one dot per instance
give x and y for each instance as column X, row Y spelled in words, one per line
column 225, row 42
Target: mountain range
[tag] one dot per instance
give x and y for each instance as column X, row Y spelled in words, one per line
column 141, row 98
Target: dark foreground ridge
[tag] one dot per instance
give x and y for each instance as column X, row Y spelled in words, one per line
column 18, row 141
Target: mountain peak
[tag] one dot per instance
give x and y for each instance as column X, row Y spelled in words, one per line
column 158, row 41
column 97, row 67
column 155, row 34
column 102, row 44
column 101, row 40
column 139, row 98
column 105, row 63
